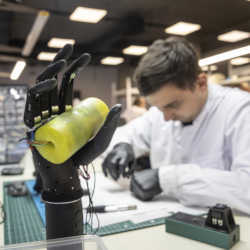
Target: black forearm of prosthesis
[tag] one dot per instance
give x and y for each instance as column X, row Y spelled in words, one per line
column 62, row 194
column 64, row 220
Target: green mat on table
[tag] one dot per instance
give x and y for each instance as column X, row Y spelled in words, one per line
column 24, row 224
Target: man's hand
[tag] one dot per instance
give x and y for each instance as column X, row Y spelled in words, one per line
column 145, row 184
column 44, row 101
column 120, row 161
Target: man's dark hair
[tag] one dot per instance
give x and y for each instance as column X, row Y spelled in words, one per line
column 171, row 61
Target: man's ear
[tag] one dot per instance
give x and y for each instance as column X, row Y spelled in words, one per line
column 202, row 81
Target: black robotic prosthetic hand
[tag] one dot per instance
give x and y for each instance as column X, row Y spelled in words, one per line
column 45, row 100
column 60, row 184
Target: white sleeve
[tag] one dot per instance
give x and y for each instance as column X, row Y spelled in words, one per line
column 193, row 185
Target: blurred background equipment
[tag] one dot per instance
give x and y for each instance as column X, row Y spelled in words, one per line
column 12, row 129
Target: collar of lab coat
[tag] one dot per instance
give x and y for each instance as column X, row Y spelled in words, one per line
column 215, row 96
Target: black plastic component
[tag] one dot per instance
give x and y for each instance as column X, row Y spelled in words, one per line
column 60, row 182
column 64, row 220
column 12, row 171
column 17, row 189
column 220, row 217
column 66, row 91
column 195, row 227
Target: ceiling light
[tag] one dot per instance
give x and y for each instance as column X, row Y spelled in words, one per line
column 59, row 42
column 225, row 56
column 182, row 28
column 240, row 61
column 36, row 30
column 135, row 50
column 211, row 68
column 233, row 36
column 46, row 56
column 112, row 60
column 17, row 70
column 88, row 15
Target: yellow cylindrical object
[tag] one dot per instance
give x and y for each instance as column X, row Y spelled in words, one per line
column 69, row 131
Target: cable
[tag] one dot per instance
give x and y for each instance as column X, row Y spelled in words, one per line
column 2, row 213
column 90, row 213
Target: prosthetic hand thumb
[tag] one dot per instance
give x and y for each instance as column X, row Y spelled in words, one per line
column 120, row 161
column 145, row 184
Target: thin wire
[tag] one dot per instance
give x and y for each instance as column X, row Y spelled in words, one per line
column 96, row 215
column 90, row 213
column 2, row 213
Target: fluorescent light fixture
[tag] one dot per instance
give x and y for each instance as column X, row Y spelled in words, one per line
column 225, row 56
column 17, row 70
column 233, row 36
column 182, row 28
column 36, row 30
column 240, row 61
column 60, row 42
column 46, row 56
column 135, row 50
column 112, row 60
column 211, row 68
column 88, row 15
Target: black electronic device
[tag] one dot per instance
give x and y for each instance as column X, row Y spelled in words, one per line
column 12, row 171
column 17, row 189
column 217, row 228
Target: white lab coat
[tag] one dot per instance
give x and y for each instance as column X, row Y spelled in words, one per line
column 205, row 163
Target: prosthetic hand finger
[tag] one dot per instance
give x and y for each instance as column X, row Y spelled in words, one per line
column 51, row 71
column 145, row 184
column 32, row 112
column 66, row 91
column 98, row 145
column 49, row 101
column 64, row 53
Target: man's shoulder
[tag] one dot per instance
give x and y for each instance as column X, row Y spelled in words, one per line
column 233, row 96
column 235, row 102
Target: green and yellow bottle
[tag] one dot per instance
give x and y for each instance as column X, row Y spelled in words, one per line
column 68, row 132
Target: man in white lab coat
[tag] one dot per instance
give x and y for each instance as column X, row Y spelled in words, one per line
column 196, row 134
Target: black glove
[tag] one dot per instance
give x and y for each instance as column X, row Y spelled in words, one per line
column 120, row 161
column 145, row 184
column 61, row 181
